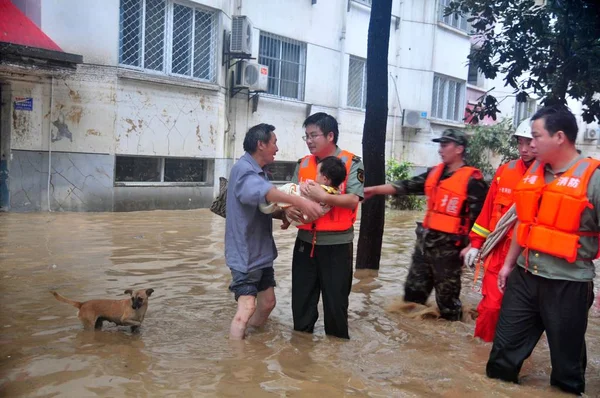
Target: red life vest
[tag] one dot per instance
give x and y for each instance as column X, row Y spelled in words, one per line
column 338, row 218
column 446, row 199
column 550, row 214
column 510, row 176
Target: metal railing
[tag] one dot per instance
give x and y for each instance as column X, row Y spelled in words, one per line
column 448, row 98
column 167, row 37
column 286, row 59
column 357, row 83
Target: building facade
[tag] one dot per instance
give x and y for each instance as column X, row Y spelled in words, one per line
column 153, row 116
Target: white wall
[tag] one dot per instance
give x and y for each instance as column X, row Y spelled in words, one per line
column 112, row 114
column 86, row 27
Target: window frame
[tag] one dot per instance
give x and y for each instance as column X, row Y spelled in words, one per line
column 363, row 84
column 301, row 65
column 167, row 39
column 209, row 177
column 451, row 20
column 528, row 108
column 459, row 109
column 287, row 162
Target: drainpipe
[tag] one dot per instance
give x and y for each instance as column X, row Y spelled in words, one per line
column 50, row 139
column 345, row 4
column 394, row 79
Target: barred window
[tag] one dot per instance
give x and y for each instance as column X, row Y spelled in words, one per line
column 357, row 83
column 458, row 22
column 448, row 99
column 163, row 36
column 286, row 59
column 524, row 110
column 144, row 169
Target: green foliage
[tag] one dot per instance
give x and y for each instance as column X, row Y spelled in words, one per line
column 551, row 51
column 488, row 141
column 395, row 171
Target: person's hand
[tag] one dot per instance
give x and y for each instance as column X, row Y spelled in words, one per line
column 285, row 223
column 294, row 213
column 471, row 256
column 464, row 251
column 369, row 192
column 503, row 276
column 310, row 210
column 313, row 191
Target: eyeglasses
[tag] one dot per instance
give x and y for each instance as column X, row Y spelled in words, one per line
column 310, row 137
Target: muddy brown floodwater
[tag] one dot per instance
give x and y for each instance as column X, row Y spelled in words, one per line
column 182, row 348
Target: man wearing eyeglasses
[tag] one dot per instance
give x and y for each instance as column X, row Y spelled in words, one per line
column 322, row 259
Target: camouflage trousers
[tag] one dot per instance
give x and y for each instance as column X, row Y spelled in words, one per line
column 436, row 266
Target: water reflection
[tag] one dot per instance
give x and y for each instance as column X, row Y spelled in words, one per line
column 182, row 347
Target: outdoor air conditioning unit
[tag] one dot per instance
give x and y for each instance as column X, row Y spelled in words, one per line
column 415, row 119
column 590, row 134
column 252, row 75
column 241, row 36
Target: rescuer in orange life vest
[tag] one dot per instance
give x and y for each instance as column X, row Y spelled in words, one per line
column 455, row 194
column 555, row 240
column 499, row 199
column 322, row 259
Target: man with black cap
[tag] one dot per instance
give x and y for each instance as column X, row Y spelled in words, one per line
column 455, row 195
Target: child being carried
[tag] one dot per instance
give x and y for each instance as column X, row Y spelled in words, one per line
column 331, row 173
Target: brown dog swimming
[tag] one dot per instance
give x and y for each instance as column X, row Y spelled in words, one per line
column 127, row 312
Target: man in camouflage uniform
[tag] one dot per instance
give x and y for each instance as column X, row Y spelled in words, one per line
column 436, row 261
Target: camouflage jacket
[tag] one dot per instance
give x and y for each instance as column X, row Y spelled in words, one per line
column 476, row 192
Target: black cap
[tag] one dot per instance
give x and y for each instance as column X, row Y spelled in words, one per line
column 453, row 135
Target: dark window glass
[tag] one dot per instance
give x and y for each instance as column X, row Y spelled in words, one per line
column 281, row 171
column 185, row 170
column 137, row 169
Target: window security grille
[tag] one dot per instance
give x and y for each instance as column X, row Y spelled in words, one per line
column 357, row 83
column 447, row 101
column 167, row 37
column 286, row 59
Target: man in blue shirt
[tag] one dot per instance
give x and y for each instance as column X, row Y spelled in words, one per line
column 249, row 246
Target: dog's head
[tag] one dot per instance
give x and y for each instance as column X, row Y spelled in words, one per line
column 139, row 297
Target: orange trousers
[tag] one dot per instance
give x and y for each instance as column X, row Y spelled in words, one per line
column 489, row 306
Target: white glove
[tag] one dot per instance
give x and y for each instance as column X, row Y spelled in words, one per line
column 471, row 256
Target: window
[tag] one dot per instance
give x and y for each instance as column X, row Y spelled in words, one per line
column 357, row 83
column 524, row 110
column 365, row 2
column 458, row 22
column 475, row 77
column 281, row 171
column 166, row 37
column 448, row 99
column 141, row 169
column 286, row 59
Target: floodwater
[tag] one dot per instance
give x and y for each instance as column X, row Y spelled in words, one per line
column 182, row 348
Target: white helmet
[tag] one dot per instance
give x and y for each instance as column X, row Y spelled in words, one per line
column 524, row 130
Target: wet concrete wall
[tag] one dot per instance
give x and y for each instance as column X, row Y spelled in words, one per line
column 84, row 182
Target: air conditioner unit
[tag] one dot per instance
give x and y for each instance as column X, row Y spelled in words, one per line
column 253, row 76
column 590, row 134
column 241, row 36
column 415, row 119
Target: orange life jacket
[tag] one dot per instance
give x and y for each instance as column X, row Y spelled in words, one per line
column 550, row 214
column 510, row 176
column 446, row 199
column 338, row 218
